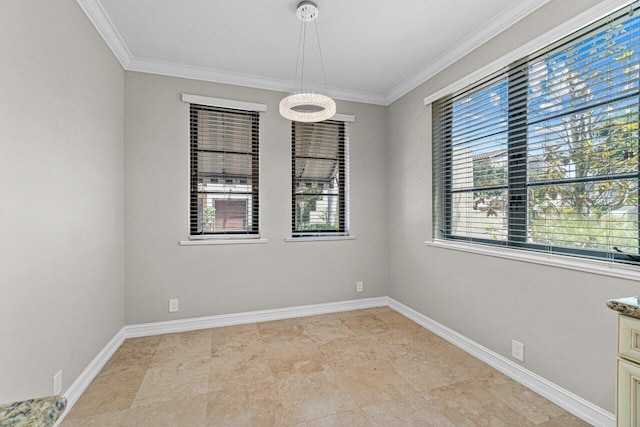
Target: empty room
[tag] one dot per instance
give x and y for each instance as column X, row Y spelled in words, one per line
column 319, row 213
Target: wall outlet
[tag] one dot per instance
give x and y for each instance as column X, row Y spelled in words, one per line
column 57, row 383
column 173, row 305
column 517, row 350
column 359, row 286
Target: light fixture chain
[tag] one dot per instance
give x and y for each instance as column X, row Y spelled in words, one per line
column 295, row 76
column 304, row 42
column 324, row 75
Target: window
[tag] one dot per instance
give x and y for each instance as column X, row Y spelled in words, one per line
column 543, row 155
column 224, row 171
column 319, row 162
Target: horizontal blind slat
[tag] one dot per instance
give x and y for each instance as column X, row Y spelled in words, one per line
column 224, row 171
column 543, row 155
column 319, row 178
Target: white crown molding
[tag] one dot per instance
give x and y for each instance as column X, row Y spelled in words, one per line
column 500, row 23
column 585, row 18
column 258, row 82
column 162, row 68
column 107, row 30
column 103, row 24
column 574, row 404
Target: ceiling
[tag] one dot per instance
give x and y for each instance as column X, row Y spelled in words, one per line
column 374, row 51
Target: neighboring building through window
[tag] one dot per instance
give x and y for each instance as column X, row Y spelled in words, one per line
column 319, row 165
column 543, row 155
column 224, row 171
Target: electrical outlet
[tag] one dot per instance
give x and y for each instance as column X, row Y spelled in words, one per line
column 57, row 383
column 359, row 286
column 173, row 305
column 517, row 350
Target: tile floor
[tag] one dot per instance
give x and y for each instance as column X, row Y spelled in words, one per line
column 368, row 367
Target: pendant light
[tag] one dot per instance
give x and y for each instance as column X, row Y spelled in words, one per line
column 305, row 106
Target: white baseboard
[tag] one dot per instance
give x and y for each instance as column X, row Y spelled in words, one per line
column 182, row 325
column 81, row 383
column 565, row 399
column 75, row 390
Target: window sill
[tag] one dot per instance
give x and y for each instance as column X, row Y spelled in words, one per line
column 200, row 242
column 317, row 238
column 588, row 266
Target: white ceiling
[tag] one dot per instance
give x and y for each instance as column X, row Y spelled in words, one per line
column 374, row 50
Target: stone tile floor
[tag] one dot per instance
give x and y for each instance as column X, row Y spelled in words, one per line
column 368, row 367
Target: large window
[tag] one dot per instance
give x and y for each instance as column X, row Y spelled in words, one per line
column 319, row 178
column 543, row 155
column 224, row 171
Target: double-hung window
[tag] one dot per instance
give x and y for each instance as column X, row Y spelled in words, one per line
column 224, row 171
column 319, row 169
column 543, row 154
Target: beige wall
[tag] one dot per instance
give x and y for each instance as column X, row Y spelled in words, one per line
column 560, row 315
column 210, row 280
column 65, row 207
column 61, row 195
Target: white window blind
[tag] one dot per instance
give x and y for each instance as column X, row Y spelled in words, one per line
column 224, row 171
column 319, row 159
column 543, row 155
